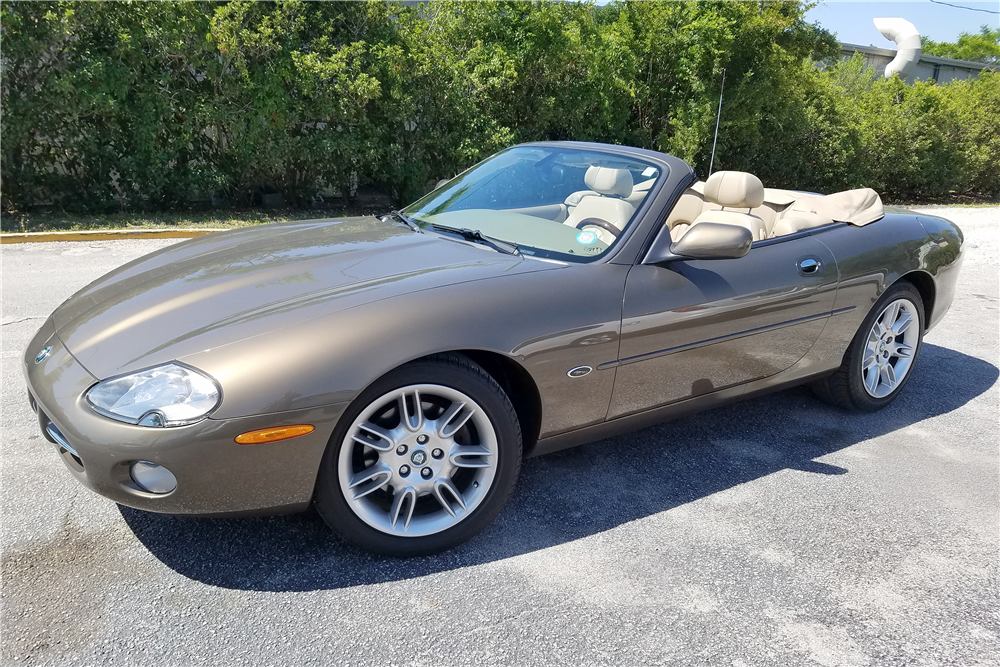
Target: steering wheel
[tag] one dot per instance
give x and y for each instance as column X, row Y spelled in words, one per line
column 597, row 222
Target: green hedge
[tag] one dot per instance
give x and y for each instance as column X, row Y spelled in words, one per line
column 144, row 105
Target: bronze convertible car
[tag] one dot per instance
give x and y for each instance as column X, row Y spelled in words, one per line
column 396, row 371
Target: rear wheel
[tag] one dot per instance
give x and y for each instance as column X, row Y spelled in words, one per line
column 423, row 460
column 879, row 361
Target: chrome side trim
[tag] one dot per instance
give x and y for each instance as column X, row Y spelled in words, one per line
column 721, row 339
column 60, row 439
column 802, row 233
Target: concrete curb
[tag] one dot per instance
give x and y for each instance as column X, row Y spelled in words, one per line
column 105, row 235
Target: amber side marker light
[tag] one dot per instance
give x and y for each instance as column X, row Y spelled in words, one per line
column 262, row 435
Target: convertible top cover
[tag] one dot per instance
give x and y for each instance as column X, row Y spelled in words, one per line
column 857, row 207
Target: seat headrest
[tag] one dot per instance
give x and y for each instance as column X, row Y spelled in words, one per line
column 735, row 189
column 609, row 181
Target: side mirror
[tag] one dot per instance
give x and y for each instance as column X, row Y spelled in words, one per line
column 443, row 181
column 706, row 240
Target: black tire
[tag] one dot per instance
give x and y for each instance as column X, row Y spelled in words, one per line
column 448, row 370
column 846, row 388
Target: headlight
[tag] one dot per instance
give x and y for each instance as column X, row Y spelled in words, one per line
column 168, row 395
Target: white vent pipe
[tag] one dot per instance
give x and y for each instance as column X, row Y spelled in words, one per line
column 907, row 40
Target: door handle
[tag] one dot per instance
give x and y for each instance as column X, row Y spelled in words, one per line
column 809, row 266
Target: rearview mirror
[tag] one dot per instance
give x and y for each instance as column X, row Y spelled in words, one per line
column 558, row 176
column 706, row 240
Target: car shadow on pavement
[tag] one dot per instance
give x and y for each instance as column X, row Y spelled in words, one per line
column 572, row 494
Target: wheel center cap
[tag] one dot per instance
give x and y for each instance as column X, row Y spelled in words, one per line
column 418, row 457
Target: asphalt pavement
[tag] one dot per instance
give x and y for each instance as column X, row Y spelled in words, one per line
column 779, row 531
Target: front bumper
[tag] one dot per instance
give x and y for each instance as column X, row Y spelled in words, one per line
column 215, row 475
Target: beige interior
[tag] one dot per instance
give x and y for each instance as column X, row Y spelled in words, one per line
column 687, row 209
column 609, row 181
column 607, row 200
column 639, row 192
column 739, row 198
column 737, row 193
column 734, row 189
column 727, row 197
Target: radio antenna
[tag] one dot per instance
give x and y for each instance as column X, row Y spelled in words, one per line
column 717, row 117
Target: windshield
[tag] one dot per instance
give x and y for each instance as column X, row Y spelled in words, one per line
column 557, row 203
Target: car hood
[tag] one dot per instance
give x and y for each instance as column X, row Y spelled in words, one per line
column 229, row 286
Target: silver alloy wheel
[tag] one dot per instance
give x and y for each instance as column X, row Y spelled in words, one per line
column 889, row 351
column 418, row 460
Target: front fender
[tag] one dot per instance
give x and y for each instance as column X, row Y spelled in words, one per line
column 547, row 321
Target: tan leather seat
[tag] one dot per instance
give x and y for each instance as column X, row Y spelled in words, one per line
column 639, row 192
column 609, row 206
column 775, row 204
column 768, row 215
column 737, row 192
column 684, row 213
column 699, row 188
column 575, row 198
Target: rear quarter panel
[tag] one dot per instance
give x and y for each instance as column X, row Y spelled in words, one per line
column 943, row 262
column 873, row 257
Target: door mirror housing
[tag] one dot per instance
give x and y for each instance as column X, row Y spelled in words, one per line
column 706, row 240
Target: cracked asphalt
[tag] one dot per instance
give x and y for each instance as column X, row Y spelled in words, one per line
column 779, row 531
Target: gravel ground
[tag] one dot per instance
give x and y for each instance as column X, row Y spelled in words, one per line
column 775, row 532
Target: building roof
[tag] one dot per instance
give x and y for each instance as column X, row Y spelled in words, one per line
column 938, row 60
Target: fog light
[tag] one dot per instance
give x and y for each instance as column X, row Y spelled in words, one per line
column 153, row 477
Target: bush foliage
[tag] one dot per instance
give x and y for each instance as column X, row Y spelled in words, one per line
column 143, row 105
column 981, row 47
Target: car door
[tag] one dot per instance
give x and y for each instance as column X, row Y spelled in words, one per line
column 694, row 326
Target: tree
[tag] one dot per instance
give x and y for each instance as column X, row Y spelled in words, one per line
column 983, row 47
column 142, row 105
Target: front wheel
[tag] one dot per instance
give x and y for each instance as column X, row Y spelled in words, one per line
column 878, row 363
column 423, row 460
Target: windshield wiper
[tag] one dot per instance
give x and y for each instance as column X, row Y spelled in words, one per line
column 406, row 221
column 505, row 247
